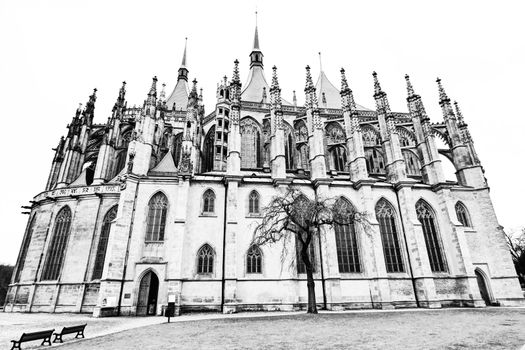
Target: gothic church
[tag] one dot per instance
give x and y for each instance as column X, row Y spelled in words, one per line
column 159, row 203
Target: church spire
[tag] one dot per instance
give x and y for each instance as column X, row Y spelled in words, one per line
column 183, row 71
column 380, row 96
column 256, row 56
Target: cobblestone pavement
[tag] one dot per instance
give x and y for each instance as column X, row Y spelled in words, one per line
column 491, row 328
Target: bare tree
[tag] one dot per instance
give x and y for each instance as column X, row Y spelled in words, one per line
column 516, row 244
column 293, row 215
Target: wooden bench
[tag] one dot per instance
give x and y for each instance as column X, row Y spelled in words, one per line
column 79, row 330
column 45, row 335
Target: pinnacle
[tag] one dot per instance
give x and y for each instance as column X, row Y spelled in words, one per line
column 410, row 88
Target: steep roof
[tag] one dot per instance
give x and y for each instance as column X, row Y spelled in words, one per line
column 253, row 90
column 179, row 96
column 332, row 95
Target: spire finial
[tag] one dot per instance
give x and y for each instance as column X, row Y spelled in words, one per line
column 256, row 37
column 459, row 115
column 235, row 77
column 377, row 86
column 320, row 62
column 153, row 89
column 344, row 83
column 163, row 92
column 275, row 82
column 309, row 82
column 442, row 94
column 183, row 64
column 410, row 88
column 294, row 99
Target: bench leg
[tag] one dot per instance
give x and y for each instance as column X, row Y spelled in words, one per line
column 58, row 338
column 79, row 334
column 47, row 340
column 16, row 345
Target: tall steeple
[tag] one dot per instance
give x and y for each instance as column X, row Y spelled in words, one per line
column 178, row 99
column 183, row 71
column 256, row 56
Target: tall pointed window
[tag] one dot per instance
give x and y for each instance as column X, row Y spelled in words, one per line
column 208, row 202
column 254, row 260
column 427, row 219
column 177, row 148
column 157, row 212
column 301, row 266
column 253, row 203
column 25, row 247
column 462, row 214
column 250, row 144
column 412, row 164
column 57, row 248
column 338, row 155
column 103, row 243
column 346, row 241
column 289, row 153
column 208, row 156
column 389, row 236
column 205, row 259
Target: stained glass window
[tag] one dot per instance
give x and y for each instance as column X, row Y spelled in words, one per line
column 103, row 243
column 462, row 214
column 157, row 212
column 205, row 259
column 254, row 260
column 427, row 219
column 57, row 248
column 25, row 247
column 346, row 241
column 208, row 202
column 389, row 236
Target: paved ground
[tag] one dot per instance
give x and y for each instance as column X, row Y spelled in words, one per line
column 492, row 328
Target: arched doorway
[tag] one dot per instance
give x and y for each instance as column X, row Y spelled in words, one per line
column 148, row 292
column 483, row 290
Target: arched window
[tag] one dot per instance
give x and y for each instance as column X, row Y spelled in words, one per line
column 208, row 202
column 338, row 155
column 427, row 219
column 374, row 161
column 250, row 144
column 412, row 164
column 57, row 248
column 25, row 247
column 205, row 259
column 253, row 203
column 304, row 162
column 462, row 214
column 301, row 266
column 346, row 241
column 389, row 236
column 103, row 243
column 208, row 155
column 289, row 148
column 157, row 212
column 254, row 260
column 177, row 148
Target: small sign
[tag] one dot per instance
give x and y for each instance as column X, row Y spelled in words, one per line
column 127, row 296
column 172, row 298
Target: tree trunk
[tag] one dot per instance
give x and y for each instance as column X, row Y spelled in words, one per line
column 312, row 305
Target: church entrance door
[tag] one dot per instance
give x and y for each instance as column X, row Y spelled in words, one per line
column 482, row 287
column 148, row 292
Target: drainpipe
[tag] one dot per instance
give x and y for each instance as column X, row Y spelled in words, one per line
column 406, row 247
column 223, row 282
column 322, row 269
column 127, row 249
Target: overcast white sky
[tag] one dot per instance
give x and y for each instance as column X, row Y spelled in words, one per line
column 53, row 53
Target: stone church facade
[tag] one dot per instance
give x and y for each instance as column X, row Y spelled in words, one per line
column 159, row 204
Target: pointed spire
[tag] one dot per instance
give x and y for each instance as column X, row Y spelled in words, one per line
column 459, row 115
column 183, row 64
column 275, row 82
column 309, row 82
column 236, row 78
column 410, row 88
column 89, row 111
column 382, row 104
column 347, row 97
column 256, row 56
column 443, row 98
column 121, row 98
column 183, row 71
column 275, row 91
column 344, row 83
column 256, row 36
column 152, row 94
column 294, row 99
column 163, row 92
column 320, row 62
column 377, row 86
